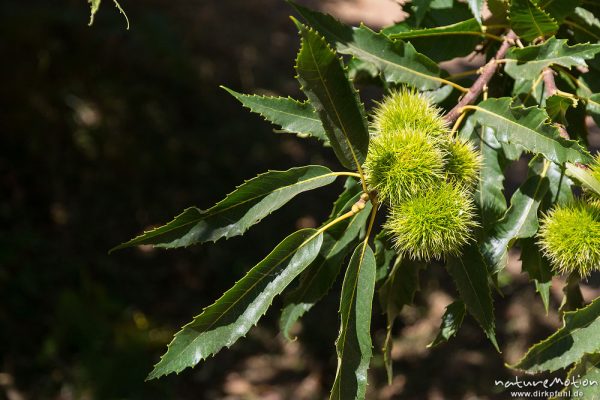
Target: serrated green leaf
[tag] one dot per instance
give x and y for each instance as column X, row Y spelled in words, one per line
column 326, row 85
column 398, row 62
column 242, row 208
column 318, row 278
column 476, row 7
column 443, row 42
column 469, row 27
column 578, row 336
column 529, row 21
column 490, row 194
column 530, row 61
column 469, row 273
column 587, row 373
column 519, row 222
column 557, row 107
column 451, row 322
column 291, row 115
column 353, row 344
column 558, row 9
column 397, row 291
column 587, row 179
column 231, row 317
column 538, row 268
column 528, row 127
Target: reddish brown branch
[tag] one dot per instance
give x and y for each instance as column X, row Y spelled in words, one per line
column 550, row 85
column 487, row 73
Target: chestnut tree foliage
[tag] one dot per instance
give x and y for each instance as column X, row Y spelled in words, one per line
column 539, row 82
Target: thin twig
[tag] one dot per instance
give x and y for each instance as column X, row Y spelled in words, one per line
column 551, row 89
column 487, row 73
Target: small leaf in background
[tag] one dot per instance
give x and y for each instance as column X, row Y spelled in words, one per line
column 476, row 7
column 572, row 296
column 326, row 85
column 560, row 189
column 470, row 275
column 397, row 291
column 519, row 222
column 321, row 274
column 419, row 9
column 354, row 341
column 231, row 317
column 587, row 369
column 593, row 107
column 451, row 322
column 582, row 175
column 443, row 42
column 529, row 21
column 531, row 60
column 528, row 127
column 242, row 208
column 558, row 9
column 538, row 268
column 291, row 115
column 577, row 337
column 94, row 6
column 585, row 26
column 384, row 255
column 557, row 107
column 399, row 62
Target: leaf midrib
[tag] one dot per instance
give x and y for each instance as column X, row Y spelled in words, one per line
column 206, row 215
column 239, row 298
column 331, row 102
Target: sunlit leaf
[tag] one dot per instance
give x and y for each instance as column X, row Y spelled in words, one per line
column 231, row 317
column 242, row 208
column 328, row 89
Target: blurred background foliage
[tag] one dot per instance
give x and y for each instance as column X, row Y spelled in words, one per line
column 105, row 132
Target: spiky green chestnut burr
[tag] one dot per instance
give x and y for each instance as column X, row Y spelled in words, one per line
column 569, row 236
column 433, row 224
column 463, row 162
column 401, row 164
column 408, row 109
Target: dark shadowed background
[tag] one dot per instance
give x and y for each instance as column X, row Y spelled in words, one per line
column 106, row 132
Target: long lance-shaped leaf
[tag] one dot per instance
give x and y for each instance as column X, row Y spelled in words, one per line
column 578, row 336
column 326, row 85
column 538, row 268
column 490, row 194
column 231, row 317
column 587, row 373
column 398, row 62
column 354, row 341
column 528, row 62
column 588, row 180
column 322, row 273
column 397, row 291
column 519, row 222
column 469, row 273
column 242, row 208
column 528, row 127
column 529, row 21
column 442, row 42
column 469, row 27
column 291, row 115
column 384, row 255
column 592, row 106
column 451, row 322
